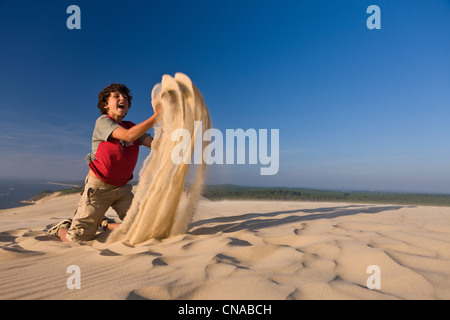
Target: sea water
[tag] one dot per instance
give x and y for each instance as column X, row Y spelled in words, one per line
column 12, row 191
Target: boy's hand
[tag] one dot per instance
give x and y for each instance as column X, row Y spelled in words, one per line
column 157, row 110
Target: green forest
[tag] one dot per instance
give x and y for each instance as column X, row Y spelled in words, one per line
column 221, row 192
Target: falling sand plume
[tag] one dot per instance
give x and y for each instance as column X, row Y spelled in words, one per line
column 161, row 207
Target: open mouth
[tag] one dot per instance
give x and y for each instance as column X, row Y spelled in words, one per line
column 121, row 106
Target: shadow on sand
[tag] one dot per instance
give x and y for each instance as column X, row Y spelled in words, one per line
column 257, row 221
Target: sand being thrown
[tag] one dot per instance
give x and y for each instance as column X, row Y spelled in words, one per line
column 162, row 207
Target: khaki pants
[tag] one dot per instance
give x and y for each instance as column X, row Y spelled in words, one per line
column 97, row 197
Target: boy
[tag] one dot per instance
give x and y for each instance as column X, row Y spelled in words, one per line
column 115, row 150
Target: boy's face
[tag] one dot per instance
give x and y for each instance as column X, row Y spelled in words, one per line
column 117, row 105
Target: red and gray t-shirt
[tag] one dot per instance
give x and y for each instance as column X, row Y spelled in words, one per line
column 112, row 160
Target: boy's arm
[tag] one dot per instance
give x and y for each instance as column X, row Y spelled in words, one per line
column 147, row 141
column 134, row 133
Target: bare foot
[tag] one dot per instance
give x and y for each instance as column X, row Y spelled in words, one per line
column 113, row 226
column 62, row 234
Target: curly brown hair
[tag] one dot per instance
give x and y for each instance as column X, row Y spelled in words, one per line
column 104, row 95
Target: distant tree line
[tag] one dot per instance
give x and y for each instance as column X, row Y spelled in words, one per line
column 221, row 192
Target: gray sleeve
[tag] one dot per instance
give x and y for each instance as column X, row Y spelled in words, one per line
column 103, row 128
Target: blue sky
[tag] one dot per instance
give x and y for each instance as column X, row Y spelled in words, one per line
column 356, row 108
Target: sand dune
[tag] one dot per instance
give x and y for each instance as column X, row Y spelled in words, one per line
column 237, row 250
